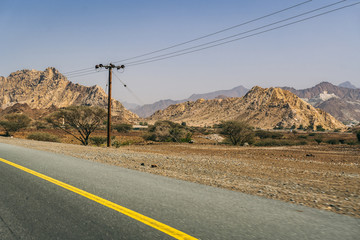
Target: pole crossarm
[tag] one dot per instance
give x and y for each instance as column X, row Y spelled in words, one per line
column 110, row 67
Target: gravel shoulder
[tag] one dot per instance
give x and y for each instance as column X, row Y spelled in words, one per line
column 325, row 176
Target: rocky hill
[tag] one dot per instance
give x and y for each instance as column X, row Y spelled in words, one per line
column 263, row 108
column 49, row 88
column 148, row 109
column 341, row 102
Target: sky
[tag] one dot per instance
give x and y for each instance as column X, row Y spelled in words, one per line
column 78, row 34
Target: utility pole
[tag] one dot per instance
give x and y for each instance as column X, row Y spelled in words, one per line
column 110, row 67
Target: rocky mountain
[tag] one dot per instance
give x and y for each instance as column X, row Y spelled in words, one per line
column 129, row 105
column 263, row 108
column 347, row 84
column 343, row 103
column 148, row 109
column 49, row 88
column 235, row 92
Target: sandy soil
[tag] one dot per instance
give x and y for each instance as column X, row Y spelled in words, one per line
column 325, row 176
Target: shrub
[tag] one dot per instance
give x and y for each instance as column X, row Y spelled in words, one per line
column 318, row 140
column 351, row 143
column 358, row 135
column 238, row 132
column 303, row 136
column 123, row 127
column 14, row 122
column 310, row 127
column 40, row 125
column 312, row 134
column 333, row 141
column 43, row 137
column 167, row 131
column 278, row 127
column 267, row 134
column 98, row 141
column 116, row 144
column 320, row 128
column 219, row 125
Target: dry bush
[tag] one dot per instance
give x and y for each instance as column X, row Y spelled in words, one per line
column 40, row 136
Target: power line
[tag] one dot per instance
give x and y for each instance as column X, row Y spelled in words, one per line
column 217, row 32
column 127, row 88
column 198, row 38
column 80, row 70
column 185, row 51
column 248, row 36
column 84, row 74
column 232, row 36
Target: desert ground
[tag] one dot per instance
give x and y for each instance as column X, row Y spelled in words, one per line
column 321, row 176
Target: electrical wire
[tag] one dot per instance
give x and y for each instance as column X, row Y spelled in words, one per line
column 80, row 73
column 186, row 50
column 217, row 32
column 80, row 70
column 232, row 36
column 84, row 74
column 131, row 92
column 237, row 39
column 198, row 38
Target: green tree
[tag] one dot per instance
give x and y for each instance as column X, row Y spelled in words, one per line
column 14, row 122
column 358, row 135
column 238, row 132
column 84, row 119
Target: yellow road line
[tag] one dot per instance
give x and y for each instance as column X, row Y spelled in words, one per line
column 137, row 216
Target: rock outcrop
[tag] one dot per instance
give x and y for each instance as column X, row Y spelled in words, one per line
column 49, row 88
column 262, row 108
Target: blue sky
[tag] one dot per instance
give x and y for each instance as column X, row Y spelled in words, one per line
column 73, row 35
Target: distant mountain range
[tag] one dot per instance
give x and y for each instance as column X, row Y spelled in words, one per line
column 26, row 90
column 343, row 101
column 148, row 109
column 262, row 108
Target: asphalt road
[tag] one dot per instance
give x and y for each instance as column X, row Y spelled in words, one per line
column 33, row 208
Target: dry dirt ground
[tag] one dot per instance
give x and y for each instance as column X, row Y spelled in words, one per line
column 325, row 176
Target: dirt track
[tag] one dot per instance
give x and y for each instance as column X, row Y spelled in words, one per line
column 325, row 176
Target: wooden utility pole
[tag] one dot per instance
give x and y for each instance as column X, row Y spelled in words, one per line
column 110, row 67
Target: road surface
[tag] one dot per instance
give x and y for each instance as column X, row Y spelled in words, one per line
column 32, row 207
